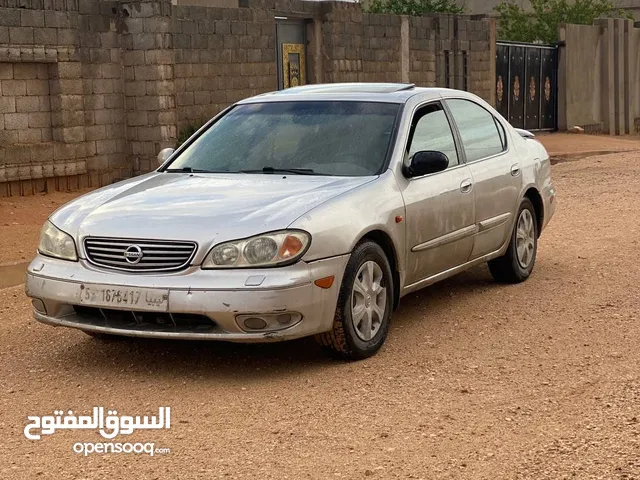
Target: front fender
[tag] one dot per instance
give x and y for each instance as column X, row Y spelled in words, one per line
column 337, row 225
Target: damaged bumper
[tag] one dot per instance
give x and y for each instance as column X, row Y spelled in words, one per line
column 245, row 305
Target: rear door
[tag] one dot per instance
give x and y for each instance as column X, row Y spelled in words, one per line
column 496, row 173
column 439, row 207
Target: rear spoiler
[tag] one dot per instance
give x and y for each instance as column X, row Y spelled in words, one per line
column 525, row 133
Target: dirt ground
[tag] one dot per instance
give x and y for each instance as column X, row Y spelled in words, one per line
column 477, row 380
column 21, row 219
column 567, row 144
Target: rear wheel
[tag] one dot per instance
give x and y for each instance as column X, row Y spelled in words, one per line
column 517, row 263
column 365, row 304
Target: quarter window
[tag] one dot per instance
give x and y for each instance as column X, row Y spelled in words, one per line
column 430, row 130
column 478, row 129
column 502, row 133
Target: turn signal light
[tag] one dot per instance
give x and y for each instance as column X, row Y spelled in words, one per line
column 291, row 246
column 325, row 282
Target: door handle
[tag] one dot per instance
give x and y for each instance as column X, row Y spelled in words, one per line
column 515, row 169
column 465, row 186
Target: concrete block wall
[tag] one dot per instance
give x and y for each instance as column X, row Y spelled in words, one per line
column 464, row 52
column 360, row 47
column 25, row 106
column 221, row 56
column 422, row 51
column 63, row 125
column 91, row 90
column 101, row 103
column 149, row 88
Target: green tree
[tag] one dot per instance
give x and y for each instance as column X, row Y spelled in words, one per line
column 414, row 7
column 541, row 25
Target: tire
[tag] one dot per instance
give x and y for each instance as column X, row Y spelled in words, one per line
column 514, row 267
column 348, row 339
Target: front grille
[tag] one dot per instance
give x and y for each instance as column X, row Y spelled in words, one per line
column 139, row 255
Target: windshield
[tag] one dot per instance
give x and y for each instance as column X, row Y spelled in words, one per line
column 311, row 138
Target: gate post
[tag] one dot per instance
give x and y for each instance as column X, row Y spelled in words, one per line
column 562, row 79
column 608, row 83
column 493, row 27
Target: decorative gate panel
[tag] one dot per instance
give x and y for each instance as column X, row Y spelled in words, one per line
column 526, row 88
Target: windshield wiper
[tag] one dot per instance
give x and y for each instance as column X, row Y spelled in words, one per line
column 190, row 170
column 296, row 171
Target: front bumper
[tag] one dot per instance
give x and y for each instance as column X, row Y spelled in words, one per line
column 215, row 297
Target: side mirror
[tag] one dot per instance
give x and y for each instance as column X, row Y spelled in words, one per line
column 426, row 162
column 164, row 155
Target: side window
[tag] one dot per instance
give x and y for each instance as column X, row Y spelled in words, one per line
column 478, row 129
column 502, row 133
column 430, row 130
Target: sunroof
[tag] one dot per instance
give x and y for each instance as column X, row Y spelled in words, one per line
column 351, row 88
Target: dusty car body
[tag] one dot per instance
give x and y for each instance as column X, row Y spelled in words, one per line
column 178, row 253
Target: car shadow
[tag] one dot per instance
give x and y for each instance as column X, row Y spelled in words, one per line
column 185, row 359
column 440, row 295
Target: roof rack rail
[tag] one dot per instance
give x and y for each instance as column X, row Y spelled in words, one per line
column 408, row 86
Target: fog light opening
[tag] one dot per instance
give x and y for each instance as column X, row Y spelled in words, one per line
column 39, row 305
column 284, row 318
column 268, row 322
column 255, row 323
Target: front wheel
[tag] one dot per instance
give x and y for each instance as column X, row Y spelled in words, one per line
column 517, row 263
column 365, row 304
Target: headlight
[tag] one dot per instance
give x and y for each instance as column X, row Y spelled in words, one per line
column 266, row 250
column 55, row 243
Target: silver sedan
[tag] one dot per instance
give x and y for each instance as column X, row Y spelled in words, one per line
column 310, row 211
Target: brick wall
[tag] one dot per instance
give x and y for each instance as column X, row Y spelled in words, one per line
column 91, row 90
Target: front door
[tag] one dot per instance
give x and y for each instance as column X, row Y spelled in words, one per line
column 439, row 207
column 291, row 55
column 496, row 173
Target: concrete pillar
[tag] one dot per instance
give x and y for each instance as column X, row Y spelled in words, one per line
column 562, row 79
column 315, row 39
column 150, row 96
column 608, row 74
column 404, row 48
column 493, row 28
column 628, row 77
column 619, row 77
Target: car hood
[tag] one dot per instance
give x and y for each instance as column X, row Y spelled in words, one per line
column 204, row 208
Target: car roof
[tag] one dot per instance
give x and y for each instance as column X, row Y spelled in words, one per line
column 372, row 92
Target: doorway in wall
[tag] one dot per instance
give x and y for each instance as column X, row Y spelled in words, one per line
column 291, row 53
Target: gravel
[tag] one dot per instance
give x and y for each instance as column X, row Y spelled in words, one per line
column 477, row 380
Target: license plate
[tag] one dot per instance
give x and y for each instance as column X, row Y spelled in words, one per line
column 153, row 299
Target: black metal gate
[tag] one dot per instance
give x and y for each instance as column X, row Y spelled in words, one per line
column 526, row 84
